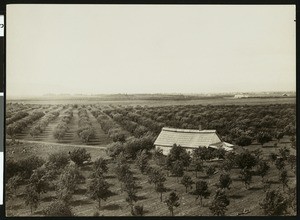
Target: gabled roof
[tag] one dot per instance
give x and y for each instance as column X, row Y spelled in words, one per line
column 187, row 137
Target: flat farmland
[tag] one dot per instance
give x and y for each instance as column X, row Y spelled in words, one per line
column 158, row 102
column 265, row 130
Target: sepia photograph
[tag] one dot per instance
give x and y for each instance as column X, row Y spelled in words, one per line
column 150, row 110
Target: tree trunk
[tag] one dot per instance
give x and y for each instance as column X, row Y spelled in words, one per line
column 99, row 204
column 131, row 206
column 196, row 174
column 172, row 212
column 200, row 200
column 161, row 196
column 186, row 189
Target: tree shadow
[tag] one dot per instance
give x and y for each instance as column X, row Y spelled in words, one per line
column 80, row 191
column 236, row 196
column 111, row 207
column 273, row 182
column 111, row 184
column 39, row 212
column 168, row 189
column 138, row 187
column 15, row 206
column 255, row 188
column 110, row 176
column 141, row 197
column 112, row 193
column 48, row 198
column 80, row 202
column 87, row 168
column 136, row 178
column 21, row 195
column 205, row 177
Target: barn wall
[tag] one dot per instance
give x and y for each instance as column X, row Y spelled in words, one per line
column 166, row 150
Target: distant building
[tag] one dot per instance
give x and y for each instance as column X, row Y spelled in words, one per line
column 189, row 139
column 239, row 96
column 285, row 95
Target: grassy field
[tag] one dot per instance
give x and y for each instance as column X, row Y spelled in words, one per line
column 240, row 197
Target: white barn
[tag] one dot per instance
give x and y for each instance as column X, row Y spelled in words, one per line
column 189, row 139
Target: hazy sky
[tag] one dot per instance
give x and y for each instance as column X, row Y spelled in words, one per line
column 149, row 49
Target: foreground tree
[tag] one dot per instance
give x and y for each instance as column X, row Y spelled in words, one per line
column 293, row 161
column 138, row 210
column 187, row 182
column 279, row 163
column 130, row 187
column 246, row 177
column 156, row 175
column 98, row 189
column 58, row 160
column 225, row 181
column 172, row 201
column 68, row 182
column 210, row 170
column 31, row 197
column 219, row 204
column 179, row 154
column 39, row 179
column 198, row 166
column 279, row 135
column 273, row 157
column 274, row 203
column 262, row 169
column 201, row 191
column 11, row 186
column 100, row 166
column 283, row 178
column 160, row 188
column 177, row 169
column 284, row 153
column 142, row 161
column 58, row 208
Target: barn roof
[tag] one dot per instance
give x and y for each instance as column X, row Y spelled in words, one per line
column 187, row 137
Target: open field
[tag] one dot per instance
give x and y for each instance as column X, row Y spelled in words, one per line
column 158, row 102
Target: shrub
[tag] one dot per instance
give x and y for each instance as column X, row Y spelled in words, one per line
column 59, row 160
column 79, row 156
column 246, row 160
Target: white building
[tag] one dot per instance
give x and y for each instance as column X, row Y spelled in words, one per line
column 189, row 139
column 239, row 96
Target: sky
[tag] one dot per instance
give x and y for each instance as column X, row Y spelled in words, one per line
column 102, row 49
